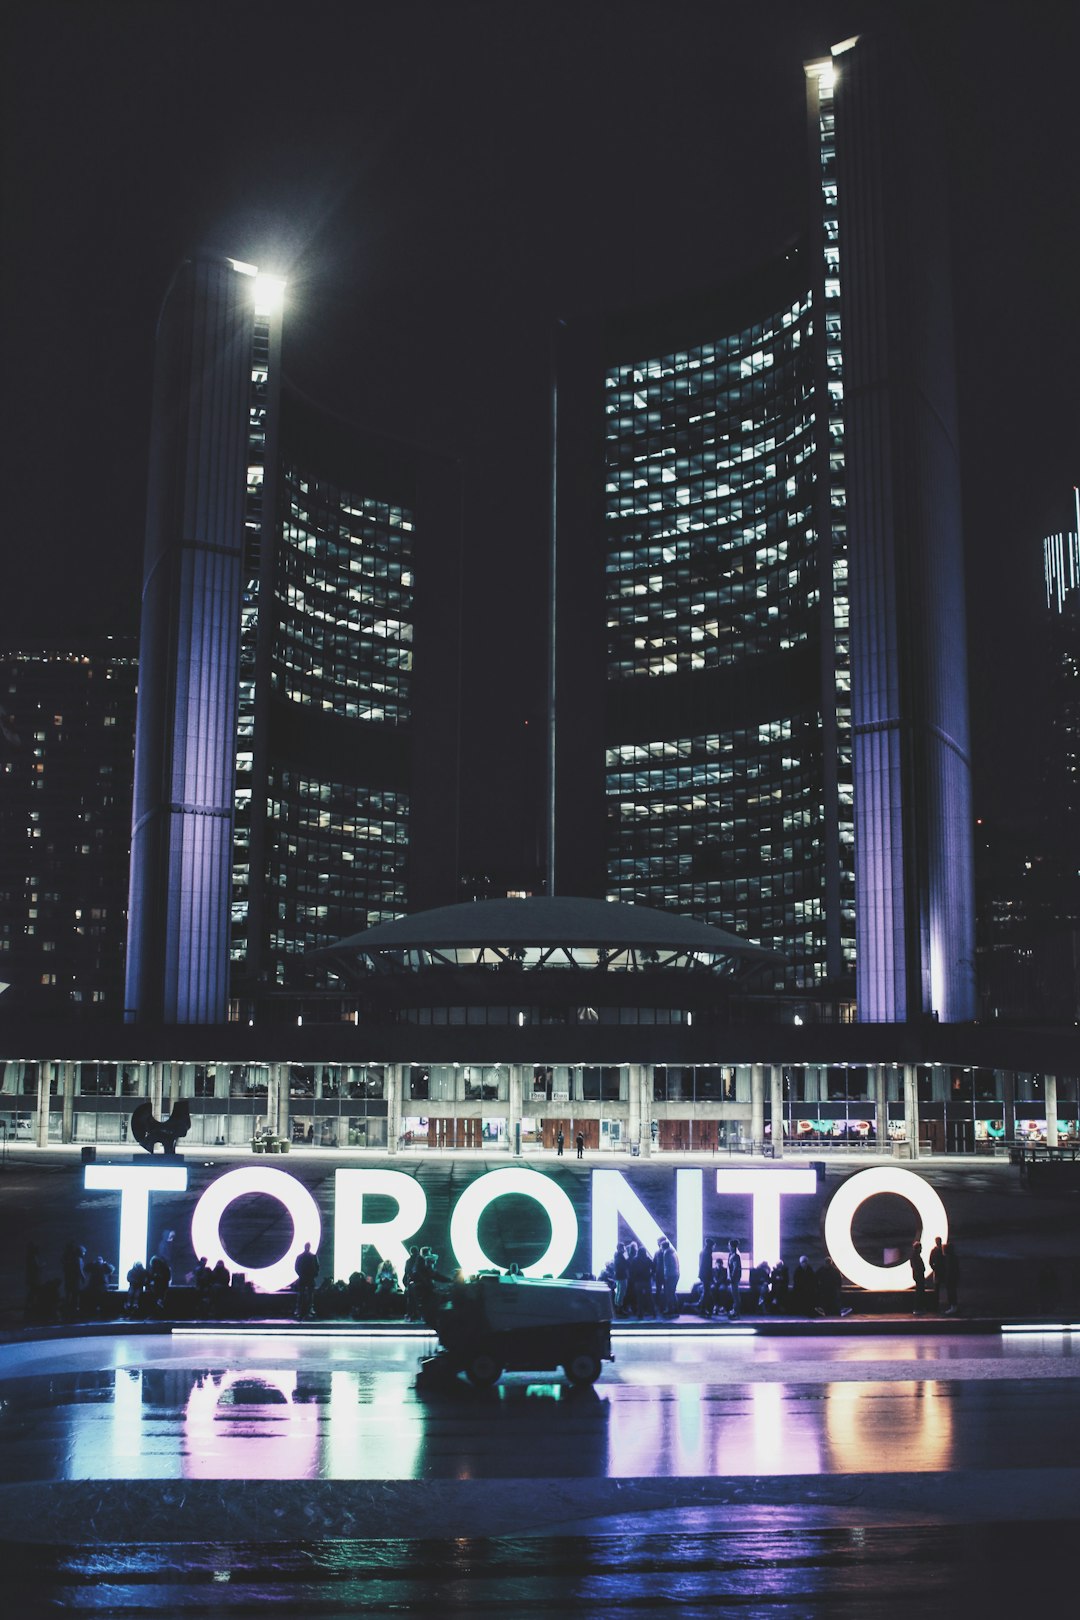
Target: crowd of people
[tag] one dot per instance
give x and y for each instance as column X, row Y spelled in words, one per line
column 645, row 1285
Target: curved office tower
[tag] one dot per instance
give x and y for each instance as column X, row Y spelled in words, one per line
column 758, row 492
column 291, row 762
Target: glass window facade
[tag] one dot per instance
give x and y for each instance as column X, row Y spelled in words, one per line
column 711, row 553
column 337, row 863
column 727, row 826
column 335, row 852
column 345, row 612
column 713, row 560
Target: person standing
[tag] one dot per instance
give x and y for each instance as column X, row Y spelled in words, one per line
column 803, row 1288
column 74, row 1274
column 668, row 1279
column 937, row 1272
column 158, row 1278
column 705, row 1278
column 559, row 1144
column 641, row 1280
column 734, row 1272
column 621, row 1268
column 580, row 1145
column 952, row 1277
column 918, row 1271
column 307, row 1269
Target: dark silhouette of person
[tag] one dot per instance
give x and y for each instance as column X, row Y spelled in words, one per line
column 136, row 1281
column 74, row 1275
column 580, row 1145
column 937, row 1272
column 803, row 1288
column 830, row 1299
column 734, row 1273
column 620, row 1270
column 220, row 1286
column 559, row 1143
column 779, row 1287
column 641, row 1280
column 918, row 1271
column 96, row 1293
column 408, row 1282
column 705, row 1278
column 952, row 1278
column 307, row 1270
column 203, row 1279
column 758, row 1287
column 158, row 1278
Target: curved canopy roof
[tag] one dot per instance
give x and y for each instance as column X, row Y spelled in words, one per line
column 583, row 933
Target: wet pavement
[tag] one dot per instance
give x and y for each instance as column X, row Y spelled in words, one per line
column 304, row 1471
column 236, row 1406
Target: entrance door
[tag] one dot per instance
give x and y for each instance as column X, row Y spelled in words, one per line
column 703, row 1134
column 551, row 1129
column 960, row 1136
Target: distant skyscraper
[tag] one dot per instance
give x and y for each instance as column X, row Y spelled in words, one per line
column 67, row 731
column 295, row 772
column 1061, row 573
column 758, row 493
column 1061, row 558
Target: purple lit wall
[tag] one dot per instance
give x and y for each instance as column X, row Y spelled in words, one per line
column 913, row 822
column 181, row 860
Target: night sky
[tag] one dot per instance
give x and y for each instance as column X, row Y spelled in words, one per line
column 439, row 182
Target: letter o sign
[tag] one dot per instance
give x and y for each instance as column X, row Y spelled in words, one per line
column 206, row 1222
column 464, row 1234
column 852, row 1195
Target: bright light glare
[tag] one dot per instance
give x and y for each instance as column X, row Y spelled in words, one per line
column 854, row 1193
column 1059, row 1330
column 206, row 1222
column 388, row 1237
column 269, row 294
column 134, row 1183
column 464, row 1235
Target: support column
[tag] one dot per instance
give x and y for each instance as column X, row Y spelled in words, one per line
column 880, row 1082
column 281, row 1116
column 44, row 1087
column 513, row 1117
column 1008, row 1103
column 776, row 1109
column 634, row 1092
column 155, row 1089
column 1050, row 1094
column 757, row 1106
column 67, row 1094
column 645, row 1107
column 911, row 1108
column 393, row 1106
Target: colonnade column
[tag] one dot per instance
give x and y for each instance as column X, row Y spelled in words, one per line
column 1008, row 1103
column 67, row 1096
column 393, row 1106
column 277, row 1098
column 1050, row 1096
column 757, row 1106
column 776, row 1109
column 911, row 1108
column 879, row 1079
column 154, row 1089
column 634, row 1087
column 513, row 1118
column 44, row 1088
